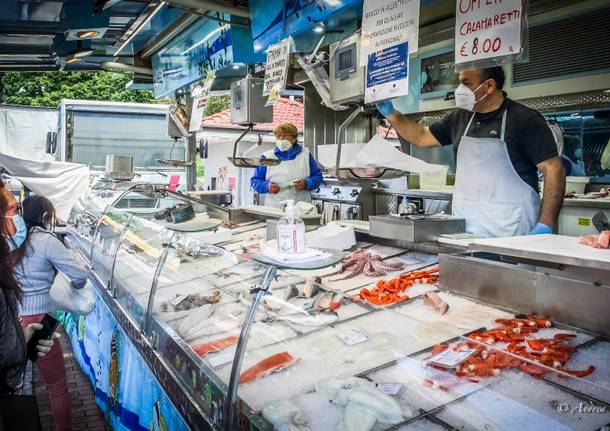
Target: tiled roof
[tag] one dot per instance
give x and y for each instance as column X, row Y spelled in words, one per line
column 284, row 111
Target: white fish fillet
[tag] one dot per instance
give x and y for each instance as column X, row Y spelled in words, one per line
column 364, row 404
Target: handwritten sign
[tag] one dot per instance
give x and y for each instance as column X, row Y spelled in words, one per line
column 387, row 73
column 276, row 69
column 487, row 29
column 386, row 23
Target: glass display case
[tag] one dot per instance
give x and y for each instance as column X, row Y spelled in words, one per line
column 319, row 357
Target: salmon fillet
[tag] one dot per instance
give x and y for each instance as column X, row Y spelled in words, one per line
column 272, row 364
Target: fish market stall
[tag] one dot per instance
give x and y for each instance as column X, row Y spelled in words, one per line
column 387, row 338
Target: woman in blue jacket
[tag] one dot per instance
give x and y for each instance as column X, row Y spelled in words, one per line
column 296, row 175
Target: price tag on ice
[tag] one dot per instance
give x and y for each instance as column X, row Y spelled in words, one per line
column 391, row 389
column 450, row 358
column 178, row 299
column 354, row 336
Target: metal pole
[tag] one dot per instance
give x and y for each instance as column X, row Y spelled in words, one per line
column 116, row 251
column 259, row 290
column 153, row 288
column 191, row 171
column 340, row 129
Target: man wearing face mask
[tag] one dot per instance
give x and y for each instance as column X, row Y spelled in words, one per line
column 296, row 175
column 500, row 145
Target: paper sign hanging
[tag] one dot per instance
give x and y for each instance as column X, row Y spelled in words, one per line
column 386, row 23
column 276, row 69
column 387, row 73
column 200, row 100
column 485, row 29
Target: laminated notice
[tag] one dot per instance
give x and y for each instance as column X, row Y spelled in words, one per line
column 353, row 336
column 450, row 358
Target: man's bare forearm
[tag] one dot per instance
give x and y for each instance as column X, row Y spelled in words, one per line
column 554, row 191
column 411, row 130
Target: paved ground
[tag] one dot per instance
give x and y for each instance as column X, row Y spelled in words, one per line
column 85, row 413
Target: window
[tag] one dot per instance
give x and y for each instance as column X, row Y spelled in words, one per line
column 438, row 74
column 586, row 136
column 143, row 136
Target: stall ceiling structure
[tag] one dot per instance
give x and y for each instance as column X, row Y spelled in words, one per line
column 39, row 35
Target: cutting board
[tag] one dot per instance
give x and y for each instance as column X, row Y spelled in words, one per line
column 552, row 248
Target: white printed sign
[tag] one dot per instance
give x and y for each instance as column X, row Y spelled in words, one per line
column 487, row 29
column 353, row 336
column 387, row 73
column 391, row 389
column 276, row 69
column 386, row 23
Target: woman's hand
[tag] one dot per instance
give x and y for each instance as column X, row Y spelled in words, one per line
column 44, row 346
column 274, row 188
column 300, row 185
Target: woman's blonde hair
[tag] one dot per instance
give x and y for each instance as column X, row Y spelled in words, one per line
column 286, row 129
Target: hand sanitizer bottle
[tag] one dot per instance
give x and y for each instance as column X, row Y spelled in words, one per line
column 290, row 231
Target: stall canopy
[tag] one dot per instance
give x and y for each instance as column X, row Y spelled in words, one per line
column 41, row 35
column 171, row 43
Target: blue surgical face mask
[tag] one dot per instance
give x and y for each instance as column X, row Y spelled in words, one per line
column 21, row 232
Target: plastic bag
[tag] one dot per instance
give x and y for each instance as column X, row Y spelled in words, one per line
column 67, row 298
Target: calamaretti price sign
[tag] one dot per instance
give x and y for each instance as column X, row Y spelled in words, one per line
column 487, row 29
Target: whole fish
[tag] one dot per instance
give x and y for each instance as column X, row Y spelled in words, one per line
column 306, row 319
column 216, row 324
column 197, row 315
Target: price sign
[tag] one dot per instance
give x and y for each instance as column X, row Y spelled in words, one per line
column 451, row 358
column 391, row 389
column 386, row 23
column 276, row 69
column 353, row 336
column 487, row 29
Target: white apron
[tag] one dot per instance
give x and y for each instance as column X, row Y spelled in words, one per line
column 284, row 174
column 489, row 194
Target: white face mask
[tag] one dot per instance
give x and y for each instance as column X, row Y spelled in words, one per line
column 465, row 98
column 283, row 144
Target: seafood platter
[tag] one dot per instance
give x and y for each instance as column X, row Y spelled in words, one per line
column 389, row 338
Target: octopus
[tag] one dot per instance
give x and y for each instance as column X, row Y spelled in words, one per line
column 369, row 264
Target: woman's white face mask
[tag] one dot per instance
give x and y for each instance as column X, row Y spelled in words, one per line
column 465, row 98
column 283, row 144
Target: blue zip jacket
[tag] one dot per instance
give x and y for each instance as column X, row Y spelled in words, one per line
column 259, row 183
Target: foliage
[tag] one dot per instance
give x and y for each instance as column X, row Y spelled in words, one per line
column 48, row 88
column 217, row 104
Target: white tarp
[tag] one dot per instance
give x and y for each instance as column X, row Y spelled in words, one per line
column 23, row 130
column 61, row 182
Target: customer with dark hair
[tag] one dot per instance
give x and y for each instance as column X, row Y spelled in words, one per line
column 500, row 145
column 12, row 338
column 37, row 261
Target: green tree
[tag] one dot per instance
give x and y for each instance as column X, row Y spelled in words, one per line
column 217, row 104
column 48, row 88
